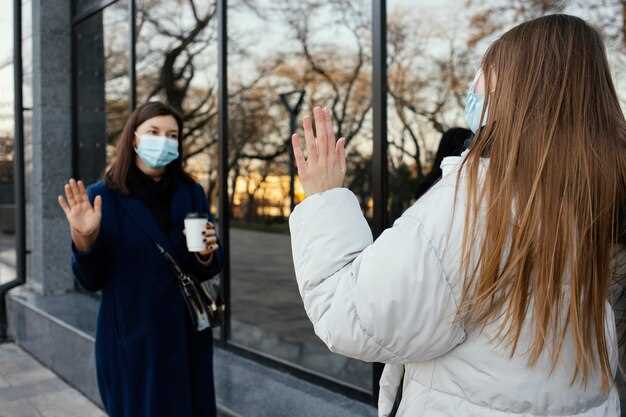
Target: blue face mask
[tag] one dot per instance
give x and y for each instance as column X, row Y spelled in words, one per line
column 157, row 151
column 474, row 104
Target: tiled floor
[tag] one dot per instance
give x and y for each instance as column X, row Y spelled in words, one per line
column 27, row 389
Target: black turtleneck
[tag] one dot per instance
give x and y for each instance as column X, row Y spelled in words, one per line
column 155, row 195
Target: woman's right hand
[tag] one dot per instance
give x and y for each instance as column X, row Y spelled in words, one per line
column 84, row 219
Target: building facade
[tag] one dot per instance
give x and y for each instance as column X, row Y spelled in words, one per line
column 241, row 73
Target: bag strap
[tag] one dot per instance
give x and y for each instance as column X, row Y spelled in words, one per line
column 170, row 259
column 398, row 399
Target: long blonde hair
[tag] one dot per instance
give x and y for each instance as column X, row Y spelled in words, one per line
column 556, row 140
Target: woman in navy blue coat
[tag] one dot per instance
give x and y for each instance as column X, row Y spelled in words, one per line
column 150, row 361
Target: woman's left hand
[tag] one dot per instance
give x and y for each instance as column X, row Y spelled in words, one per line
column 210, row 243
column 325, row 167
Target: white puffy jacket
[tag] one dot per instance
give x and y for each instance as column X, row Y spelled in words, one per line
column 394, row 301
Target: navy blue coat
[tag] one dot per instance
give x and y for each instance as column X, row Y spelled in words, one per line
column 149, row 361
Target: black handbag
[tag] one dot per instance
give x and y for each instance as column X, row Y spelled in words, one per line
column 204, row 301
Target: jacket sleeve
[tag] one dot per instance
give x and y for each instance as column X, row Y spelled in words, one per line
column 201, row 271
column 385, row 301
column 91, row 267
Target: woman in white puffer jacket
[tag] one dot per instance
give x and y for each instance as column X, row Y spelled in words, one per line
column 489, row 296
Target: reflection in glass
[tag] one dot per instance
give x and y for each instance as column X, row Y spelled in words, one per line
column 278, row 48
column 434, row 49
column 101, row 79
column 7, row 219
column 116, row 60
column 27, row 97
column 27, row 54
column 177, row 64
column 27, row 94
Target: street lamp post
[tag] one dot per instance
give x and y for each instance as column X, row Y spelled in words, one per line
column 293, row 108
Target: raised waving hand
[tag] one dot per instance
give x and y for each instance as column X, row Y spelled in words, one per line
column 83, row 218
column 324, row 167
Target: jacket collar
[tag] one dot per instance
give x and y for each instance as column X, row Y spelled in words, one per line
column 453, row 163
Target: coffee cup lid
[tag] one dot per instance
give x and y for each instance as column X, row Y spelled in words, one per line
column 196, row 215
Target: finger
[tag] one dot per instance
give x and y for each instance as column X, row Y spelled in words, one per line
column 210, row 232
column 82, row 193
column 330, row 136
column 311, row 146
column 64, row 206
column 97, row 204
column 330, row 132
column 320, row 132
column 297, row 153
column 69, row 195
column 75, row 192
column 341, row 153
column 209, row 249
column 210, row 240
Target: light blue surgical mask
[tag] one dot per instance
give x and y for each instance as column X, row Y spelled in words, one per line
column 474, row 103
column 157, row 151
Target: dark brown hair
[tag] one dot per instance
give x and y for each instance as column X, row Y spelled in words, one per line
column 116, row 175
column 556, row 140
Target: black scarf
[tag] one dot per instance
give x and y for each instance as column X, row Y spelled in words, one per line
column 155, row 195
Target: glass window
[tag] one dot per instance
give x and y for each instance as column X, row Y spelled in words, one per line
column 27, row 98
column 177, row 64
column 281, row 52
column 27, row 54
column 7, row 132
column 434, row 49
column 7, row 218
column 102, row 86
column 429, row 67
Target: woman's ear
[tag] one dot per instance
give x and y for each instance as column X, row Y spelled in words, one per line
column 493, row 81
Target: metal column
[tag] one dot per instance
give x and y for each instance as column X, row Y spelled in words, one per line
column 379, row 155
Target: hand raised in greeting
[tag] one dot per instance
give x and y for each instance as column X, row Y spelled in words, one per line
column 325, row 167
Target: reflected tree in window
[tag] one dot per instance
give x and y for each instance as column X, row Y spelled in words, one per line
column 490, row 18
column 429, row 67
column 116, row 61
column 277, row 47
column 333, row 72
column 176, row 63
column 434, row 54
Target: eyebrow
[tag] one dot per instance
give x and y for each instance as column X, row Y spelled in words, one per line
column 170, row 130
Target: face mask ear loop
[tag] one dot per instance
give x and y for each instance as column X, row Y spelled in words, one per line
column 137, row 136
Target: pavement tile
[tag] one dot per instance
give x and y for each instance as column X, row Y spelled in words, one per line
column 28, row 389
column 20, row 408
column 65, row 403
column 18, row 392
column 30, row 376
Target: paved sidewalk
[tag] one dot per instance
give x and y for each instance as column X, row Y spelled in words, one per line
column 27, row 389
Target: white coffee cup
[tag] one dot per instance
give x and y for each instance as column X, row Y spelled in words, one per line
column 195, row 224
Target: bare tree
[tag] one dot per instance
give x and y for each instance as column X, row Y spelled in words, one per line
column 429, row 69
column 335, row 77
column 179, row 36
